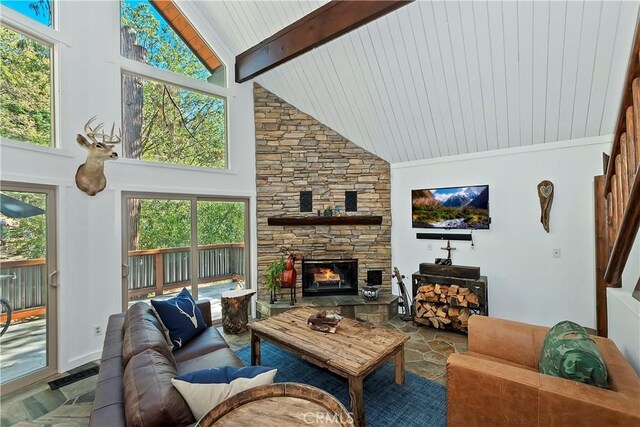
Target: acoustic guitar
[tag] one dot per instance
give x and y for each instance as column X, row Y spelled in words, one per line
column 406, row 301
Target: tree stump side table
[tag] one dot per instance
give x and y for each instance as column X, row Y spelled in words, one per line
column 235, row 310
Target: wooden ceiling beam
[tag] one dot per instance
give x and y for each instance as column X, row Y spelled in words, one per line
column 315, row 29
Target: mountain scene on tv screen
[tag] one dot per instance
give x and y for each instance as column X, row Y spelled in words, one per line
column 458, row 207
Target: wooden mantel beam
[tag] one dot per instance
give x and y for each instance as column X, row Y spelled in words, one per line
column 315, row 29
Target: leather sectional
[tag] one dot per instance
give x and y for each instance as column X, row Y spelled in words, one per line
column 137, row 365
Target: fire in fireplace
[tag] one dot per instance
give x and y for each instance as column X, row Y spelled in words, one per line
column 330, row 277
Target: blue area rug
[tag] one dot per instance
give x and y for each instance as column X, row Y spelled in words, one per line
column 419, row 402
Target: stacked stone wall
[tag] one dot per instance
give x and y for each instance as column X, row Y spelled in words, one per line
column 295, row 152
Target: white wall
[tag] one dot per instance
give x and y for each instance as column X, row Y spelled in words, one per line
column 88, row 69
column 525, row 282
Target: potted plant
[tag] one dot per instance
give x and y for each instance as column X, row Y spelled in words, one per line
column 273, row 277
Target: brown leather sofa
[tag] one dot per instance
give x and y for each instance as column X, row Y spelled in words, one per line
column 497, row 383
column 134, row 385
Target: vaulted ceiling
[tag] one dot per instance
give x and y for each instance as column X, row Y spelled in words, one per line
column 440, row 78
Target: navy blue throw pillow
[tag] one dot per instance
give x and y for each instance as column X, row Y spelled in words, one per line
column 181, row 316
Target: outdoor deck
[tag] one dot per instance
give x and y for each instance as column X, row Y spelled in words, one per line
column 157, row 273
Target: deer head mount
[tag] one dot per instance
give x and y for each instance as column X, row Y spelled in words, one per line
column 90, row 175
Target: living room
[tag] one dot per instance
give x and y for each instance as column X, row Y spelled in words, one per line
column 430, row 184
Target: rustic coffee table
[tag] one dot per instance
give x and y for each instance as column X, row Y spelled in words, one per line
column 353, row 352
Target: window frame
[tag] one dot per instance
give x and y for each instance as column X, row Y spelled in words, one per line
column 123, row 72
column 160, row 75
column 50, row 37
column 193, row 199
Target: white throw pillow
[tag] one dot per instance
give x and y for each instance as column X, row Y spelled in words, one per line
column 203, row 390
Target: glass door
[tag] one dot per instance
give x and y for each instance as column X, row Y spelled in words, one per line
column 28, row 281
column 159, row 254
column 221, row 249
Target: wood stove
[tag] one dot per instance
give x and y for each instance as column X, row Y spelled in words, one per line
column 330, row 277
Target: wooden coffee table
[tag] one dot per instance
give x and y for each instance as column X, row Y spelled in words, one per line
column 353, row 352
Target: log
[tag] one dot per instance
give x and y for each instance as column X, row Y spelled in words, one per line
column 235, row 311
column 453, row 312
column 464, row 316
column 472, row 299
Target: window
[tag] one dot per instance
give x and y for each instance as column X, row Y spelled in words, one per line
column 169, row 237
column 38, row 10
column 166, row 123
column 146, row 36
column 170, row 122
column 26, row 95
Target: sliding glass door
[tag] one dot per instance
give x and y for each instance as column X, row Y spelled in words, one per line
column 172, row 241
column 27, row 284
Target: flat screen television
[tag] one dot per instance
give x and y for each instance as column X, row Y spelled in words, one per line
column 451, row 208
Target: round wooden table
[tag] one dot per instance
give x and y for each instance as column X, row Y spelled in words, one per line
column 278, row 405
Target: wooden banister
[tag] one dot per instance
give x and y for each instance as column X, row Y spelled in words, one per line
column 617, row 192
column 633, row 69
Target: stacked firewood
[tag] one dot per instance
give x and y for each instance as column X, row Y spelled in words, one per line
column 442, row 305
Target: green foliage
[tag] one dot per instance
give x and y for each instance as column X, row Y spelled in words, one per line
column 178, row 125
column 25, row 238
column 165, row 49
column 273, row 273
column 167, row 223
column 182, row 126
column 164, row 224
column 25, row 88
column 220, row 222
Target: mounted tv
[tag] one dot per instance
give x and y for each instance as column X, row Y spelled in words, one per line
column 451, row 208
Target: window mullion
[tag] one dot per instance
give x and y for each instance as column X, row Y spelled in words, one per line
column 194, row 248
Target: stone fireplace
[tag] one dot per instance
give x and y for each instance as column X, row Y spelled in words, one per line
column 330, row 277
column 295, row 153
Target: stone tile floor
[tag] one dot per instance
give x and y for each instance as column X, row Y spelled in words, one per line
column 426, row 354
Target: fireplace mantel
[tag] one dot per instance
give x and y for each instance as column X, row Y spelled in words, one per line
column 325, row 220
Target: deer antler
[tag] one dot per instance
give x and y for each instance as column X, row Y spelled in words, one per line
column 97, row 132
column 192, row 317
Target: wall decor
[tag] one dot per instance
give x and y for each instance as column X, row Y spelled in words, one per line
column 545, row 193
column 90, row 176
column 351, row 201
column 306, row 201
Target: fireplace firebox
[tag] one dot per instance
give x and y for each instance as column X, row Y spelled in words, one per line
column 330, row 277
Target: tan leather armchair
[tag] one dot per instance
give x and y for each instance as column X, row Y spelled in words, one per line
column 497, row 383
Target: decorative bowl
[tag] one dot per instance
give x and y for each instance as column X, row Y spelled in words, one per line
column 370, row 293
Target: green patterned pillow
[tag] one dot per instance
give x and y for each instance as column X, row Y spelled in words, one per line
column 569, row 352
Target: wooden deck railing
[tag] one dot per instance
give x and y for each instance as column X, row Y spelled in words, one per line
column 27, row 292
column 158, row 270
column 150, row 271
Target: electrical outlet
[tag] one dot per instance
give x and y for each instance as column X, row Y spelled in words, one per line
column 97, row 330
column 556, row 253
column 429, row 246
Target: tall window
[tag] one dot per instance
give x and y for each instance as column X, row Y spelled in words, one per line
column 25, row 88
column 176, row 121
column 184, row 241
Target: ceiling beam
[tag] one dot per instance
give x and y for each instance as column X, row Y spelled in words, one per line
column 315, row 29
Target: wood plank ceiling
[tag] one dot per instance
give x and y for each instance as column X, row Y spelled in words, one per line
column 437, row 78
